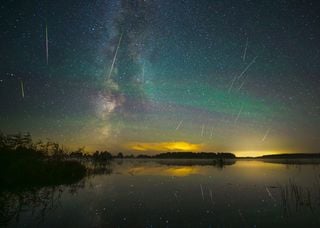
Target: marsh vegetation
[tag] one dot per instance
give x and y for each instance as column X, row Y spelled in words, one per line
column 41, row 182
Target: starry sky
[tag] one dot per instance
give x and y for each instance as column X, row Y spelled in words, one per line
column 146, row 76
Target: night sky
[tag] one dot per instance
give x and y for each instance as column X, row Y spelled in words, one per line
column 146, row 76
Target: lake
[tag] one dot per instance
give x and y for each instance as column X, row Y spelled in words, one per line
column 174, row 193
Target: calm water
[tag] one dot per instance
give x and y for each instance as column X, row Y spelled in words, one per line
column 177, row 193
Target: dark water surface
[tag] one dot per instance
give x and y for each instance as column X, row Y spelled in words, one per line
column 175, row 193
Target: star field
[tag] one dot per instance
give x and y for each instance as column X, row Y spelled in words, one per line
column 238, row 76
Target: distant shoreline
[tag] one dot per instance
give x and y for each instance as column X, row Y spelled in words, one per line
column 222, row 155
column 285, row 156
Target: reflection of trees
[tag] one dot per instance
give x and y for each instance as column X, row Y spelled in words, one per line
column 38, row 201
column 219, row 163
column 192, row 155
column 41, row 200
column 98, row 168
column 34, row 175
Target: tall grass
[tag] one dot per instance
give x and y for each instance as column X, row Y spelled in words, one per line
column 296, row 197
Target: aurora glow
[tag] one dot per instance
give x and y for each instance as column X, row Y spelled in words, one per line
column 240, row 76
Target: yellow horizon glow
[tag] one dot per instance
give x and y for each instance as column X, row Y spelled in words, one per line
column 178, row 146
column 165, row 146
column 257, row 153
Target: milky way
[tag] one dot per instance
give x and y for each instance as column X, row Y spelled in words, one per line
column 151, row 75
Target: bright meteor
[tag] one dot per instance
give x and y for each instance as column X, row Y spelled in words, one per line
column 115, row 57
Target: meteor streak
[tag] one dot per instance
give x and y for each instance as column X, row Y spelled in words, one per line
column 248, row 66
column 202, row 130
column 270, row 195
column 179, row 125
column 245, row 51
column 240, row 87
column 239, row 113
column 210, row 193
column 266, row 134
column 47, row 45
column 115, row 56
column 233, row 81
column 22, row 88
column 201, row 189
column 211, row 133
column 143, row 71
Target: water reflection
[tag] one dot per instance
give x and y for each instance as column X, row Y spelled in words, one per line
column 164, row 171
column 172, row 167
column 36, row 202
column 177, row 193
column 98, row 168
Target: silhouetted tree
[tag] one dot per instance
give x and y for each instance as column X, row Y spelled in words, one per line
column 102, row 156
column 120, row 155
